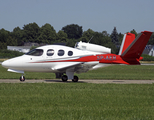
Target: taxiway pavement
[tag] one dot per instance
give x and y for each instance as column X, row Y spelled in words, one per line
column 80, row 81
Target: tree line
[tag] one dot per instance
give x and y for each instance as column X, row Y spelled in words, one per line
column 69, row 34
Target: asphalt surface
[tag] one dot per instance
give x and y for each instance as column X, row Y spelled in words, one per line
column 80, row 81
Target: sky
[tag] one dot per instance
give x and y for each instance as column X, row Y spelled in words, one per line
column 98, row 15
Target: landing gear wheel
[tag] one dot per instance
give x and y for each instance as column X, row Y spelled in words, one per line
column 22, row 78
column 75, row 79
column 64, row 78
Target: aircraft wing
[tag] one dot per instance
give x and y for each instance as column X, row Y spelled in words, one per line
column 77, row 67
column 67, row 65
column 86, row 66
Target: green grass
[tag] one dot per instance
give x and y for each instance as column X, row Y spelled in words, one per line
column 76, row 101
column 79, row 101
column 117, row 72
column 121, row 72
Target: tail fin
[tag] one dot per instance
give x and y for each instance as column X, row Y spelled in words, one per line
column 136, row 47
column 127, row 40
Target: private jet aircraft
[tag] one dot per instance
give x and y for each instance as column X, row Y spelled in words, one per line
column 65, row 61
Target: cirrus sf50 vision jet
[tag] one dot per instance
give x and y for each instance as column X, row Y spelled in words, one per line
column 65, row 61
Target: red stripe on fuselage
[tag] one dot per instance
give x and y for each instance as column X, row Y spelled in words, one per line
column 102, row 58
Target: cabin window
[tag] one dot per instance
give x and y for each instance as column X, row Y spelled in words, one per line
column 50, row 52
column 61, row 52
column 35, row 52
column 70, row 53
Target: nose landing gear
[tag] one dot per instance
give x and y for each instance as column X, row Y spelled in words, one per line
column 22, row 78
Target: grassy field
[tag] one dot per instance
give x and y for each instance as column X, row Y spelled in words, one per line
column 118, row 72
column 81, row 101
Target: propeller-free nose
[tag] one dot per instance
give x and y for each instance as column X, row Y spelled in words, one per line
column 6, row 64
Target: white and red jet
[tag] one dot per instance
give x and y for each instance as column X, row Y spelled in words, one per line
column 85, row 56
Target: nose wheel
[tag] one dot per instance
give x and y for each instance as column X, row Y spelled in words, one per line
column 22, row 78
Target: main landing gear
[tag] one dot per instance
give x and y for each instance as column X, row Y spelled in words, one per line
column 75, row 79
column 65, row 78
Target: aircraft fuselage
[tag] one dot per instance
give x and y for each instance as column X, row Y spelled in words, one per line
column 62, row 56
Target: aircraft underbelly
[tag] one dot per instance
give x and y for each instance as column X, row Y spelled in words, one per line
column 26, row 67
column 46, row 67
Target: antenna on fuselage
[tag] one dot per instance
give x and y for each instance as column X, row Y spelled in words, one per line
column 90, row 39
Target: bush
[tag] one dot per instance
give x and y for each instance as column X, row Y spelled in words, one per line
column 147, row 58
column 9, row 54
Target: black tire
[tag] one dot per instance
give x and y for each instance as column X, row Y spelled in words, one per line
column 22, row 78
column 64, row 78
column 75, row 79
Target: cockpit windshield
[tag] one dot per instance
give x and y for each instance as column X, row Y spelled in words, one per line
column 35, row 52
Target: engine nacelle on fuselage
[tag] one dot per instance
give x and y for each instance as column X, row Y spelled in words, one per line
column 92, row 47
